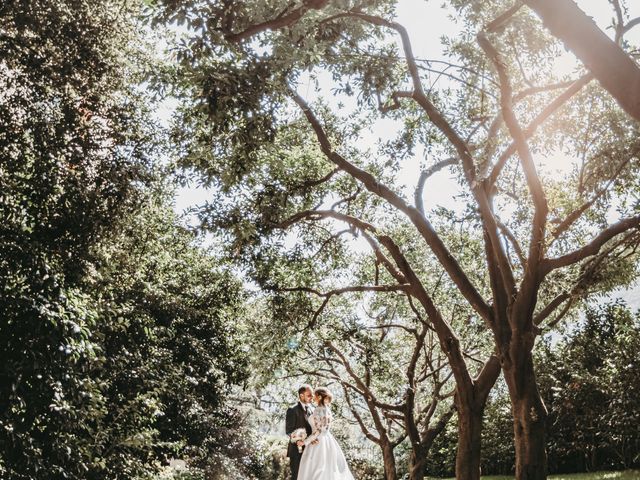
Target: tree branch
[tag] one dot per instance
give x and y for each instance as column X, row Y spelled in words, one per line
column 424, row 176
column 420, row 222
column 577, row 213
column 592, row 247
column 551, row 306
column 535, row 123
column 458, row 143
column 279, row 22
column 611, row 65
column 536, row 246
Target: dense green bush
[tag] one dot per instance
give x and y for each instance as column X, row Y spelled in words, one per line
column 119, row 334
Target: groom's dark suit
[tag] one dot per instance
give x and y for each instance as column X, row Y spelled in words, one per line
column 297, row 418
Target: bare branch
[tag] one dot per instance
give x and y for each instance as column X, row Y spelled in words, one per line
column 551, row 306
column 327, row 296
column 313, row 183
column 352, row 289
column 424, row 176
column 543, row 88
column 323, row 214
column 593, row 247
column 536, row 122
column 395, row 101
column 562, row 313
column 513, row 240
column 361, row 384
column 358, row 418
column 577, row 213
column 500, row 21
column 536, row 246
column 631, row 24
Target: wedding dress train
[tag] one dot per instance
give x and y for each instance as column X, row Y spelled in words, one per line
column 323, row 460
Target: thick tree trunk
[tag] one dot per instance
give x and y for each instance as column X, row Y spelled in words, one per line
column 417, row 461
column 529, row 418
column 389, row 462
column 469, row 442
column 612, row 66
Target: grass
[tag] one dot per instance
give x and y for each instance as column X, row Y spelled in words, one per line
column 626, row 475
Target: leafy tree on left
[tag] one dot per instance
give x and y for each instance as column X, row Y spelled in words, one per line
column 117, row 337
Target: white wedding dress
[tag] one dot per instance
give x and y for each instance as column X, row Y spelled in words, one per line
column 323, row 460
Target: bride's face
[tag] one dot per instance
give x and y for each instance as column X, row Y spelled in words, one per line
column 317, row 399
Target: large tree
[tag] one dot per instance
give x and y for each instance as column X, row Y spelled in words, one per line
column 547, row 241
column 118, row 333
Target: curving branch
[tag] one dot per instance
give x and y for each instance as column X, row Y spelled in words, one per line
column 631, row 24
column 593, row 247
column 424, row 176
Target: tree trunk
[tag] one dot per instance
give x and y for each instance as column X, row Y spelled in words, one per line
column 529, row 417
column 417, row 461
column 469, row 442
column 389, row 462
column 610, row 64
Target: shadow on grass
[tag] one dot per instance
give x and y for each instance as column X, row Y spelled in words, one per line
column 626, row 475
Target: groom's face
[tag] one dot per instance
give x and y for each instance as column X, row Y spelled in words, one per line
column 306, row 396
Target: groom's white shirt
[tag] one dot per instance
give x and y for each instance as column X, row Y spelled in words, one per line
column 305, row 406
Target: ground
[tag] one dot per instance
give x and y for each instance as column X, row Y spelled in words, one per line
column 626, row 475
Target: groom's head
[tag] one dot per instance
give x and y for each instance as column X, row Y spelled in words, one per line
column 305, row 394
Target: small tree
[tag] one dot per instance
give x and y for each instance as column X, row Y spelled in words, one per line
column 395, row 381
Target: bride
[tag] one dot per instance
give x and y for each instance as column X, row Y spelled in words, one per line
column 322, row 458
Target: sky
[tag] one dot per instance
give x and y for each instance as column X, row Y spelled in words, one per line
column 426, row 23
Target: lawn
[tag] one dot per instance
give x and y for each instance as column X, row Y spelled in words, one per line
column 626, row 475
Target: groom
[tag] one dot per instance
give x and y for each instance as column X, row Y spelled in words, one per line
column 298, row 417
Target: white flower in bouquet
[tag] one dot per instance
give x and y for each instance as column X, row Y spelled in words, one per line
column 299, row 434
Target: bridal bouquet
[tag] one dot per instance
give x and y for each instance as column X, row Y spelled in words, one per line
column 299, row 434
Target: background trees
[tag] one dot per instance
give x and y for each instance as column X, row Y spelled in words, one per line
column 585, row 382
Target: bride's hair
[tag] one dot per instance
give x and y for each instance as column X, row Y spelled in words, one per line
column 325, row 395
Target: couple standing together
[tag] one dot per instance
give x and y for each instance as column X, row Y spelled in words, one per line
column 318, row 456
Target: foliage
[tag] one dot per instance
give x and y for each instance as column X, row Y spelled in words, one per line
column 118, row 340
column 585, row 381
column 587, row 385
column 74, row 143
